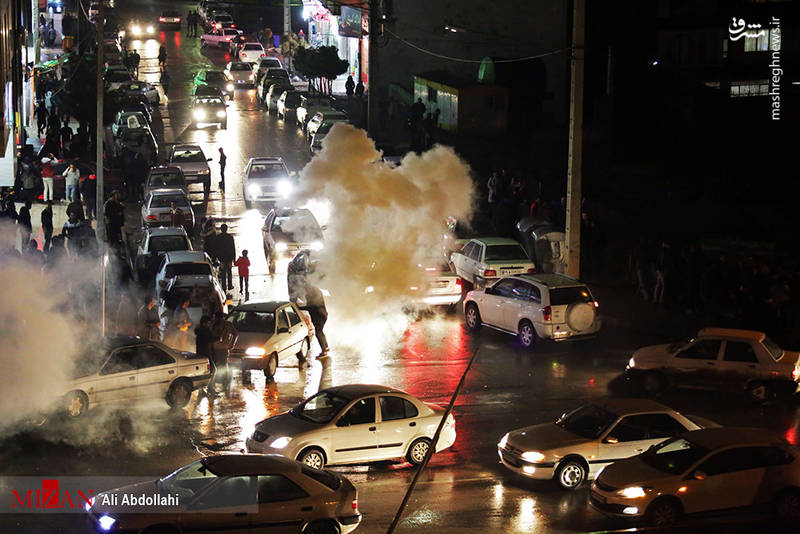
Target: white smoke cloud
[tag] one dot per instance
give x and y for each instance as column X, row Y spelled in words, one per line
column 385, row 221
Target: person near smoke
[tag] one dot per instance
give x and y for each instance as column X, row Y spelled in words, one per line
column 179, row 324
column 89, row 192
column 315, row 306
column 204, row 339
column 115, row 218
column 243, row 266
column 33, row 255
column 48, row 177
column 225, row 336
column 56, row 253
column 76, row 206
column 24, row 223
column 47, row 225
column 225, row 252
column 72, row 230
column 147, row 319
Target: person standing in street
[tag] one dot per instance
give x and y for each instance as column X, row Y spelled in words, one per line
column 360, row 89
column 180, row 322
column 162, row 56
column 225, row 336
column 66, row 134
column 48, row 177
column 315, row 306
column 225, row 249
column 147, row 319
column 164, row 81
column 41, row 118
column 71, row 177
column 135, row 59
column 47, row 226
column 176, row 217
column 223, row 159
column 204, row 339
column 349, row 87
column 243, row 265
column 73, row 230
column 24, row 223
column 89, row 193
column 115, row 218
column 189, row 21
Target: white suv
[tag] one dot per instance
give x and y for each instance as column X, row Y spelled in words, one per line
column 534, row 306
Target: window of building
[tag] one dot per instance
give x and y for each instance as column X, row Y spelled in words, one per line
column 433, row 94
column 758, row 44
column 749, row 88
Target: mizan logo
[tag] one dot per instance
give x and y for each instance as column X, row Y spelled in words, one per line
column 50, row 497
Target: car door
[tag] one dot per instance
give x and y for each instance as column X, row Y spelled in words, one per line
column 117, row 378
column 283, row 334
column 265, row 231
column 739, row 363
column 283, row 506
column 634, row 434
column 157, row 370
column 228, row 505
column 494, row 302
column 396, row 427
column 297, row 329
column 524, row 296
column 697, row 364
column 354, row 438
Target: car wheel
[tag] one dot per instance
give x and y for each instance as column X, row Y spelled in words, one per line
column 653, row 383
column 271, row 367
column 312, row 457
column 787, row 504
column 662, row 513
column 527, row 334
column 418, row 450
column 179, row 394
column 570, row 474
column 76, row 403
column 322, row 527
column 472, row 317
column 760, row 392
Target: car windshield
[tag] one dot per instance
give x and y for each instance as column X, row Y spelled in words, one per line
column 673, row 456
column 170, row 14
column 588, row 421
column 167, row 243
column 253, row 321
column 135, row 136
column 567, row 295
column 505, row 253
column 277, row 73
column 188, row 156
column 187, row 481
column 165, row 179
column 187, row 269
column 249, row 46
column 210, row 101
column 296, row 223
column 223, row 18
column 774, row 350
column 164, row 201
column 213, row 76
column 267, row 170
column 320, row 408
column 240, row 66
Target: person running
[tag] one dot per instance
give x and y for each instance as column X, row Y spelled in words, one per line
column 315, row 306
column 243, row 265
column 225, row 336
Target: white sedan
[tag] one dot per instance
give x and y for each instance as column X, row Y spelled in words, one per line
column 579, row 444
column 354, row 424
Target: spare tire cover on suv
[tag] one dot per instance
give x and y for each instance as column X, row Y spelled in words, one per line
column 580, row 315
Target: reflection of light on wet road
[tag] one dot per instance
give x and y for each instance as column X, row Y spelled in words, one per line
column 525, row 519
column 497, row 497
column 313, row 378
column 258, row 405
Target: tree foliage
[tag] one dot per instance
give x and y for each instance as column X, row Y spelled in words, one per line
column 320, row 65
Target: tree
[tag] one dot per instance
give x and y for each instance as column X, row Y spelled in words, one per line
column 290, row 43
column 320, row 65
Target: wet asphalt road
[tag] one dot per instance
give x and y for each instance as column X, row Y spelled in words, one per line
column 465, row 487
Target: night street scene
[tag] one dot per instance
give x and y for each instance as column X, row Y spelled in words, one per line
column 399, row 266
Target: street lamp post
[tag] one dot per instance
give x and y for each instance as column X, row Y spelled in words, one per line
column 103, row 296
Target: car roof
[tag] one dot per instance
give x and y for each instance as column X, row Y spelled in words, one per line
column 186, row 256
column 551, row 279
column 495, row 241
column 160, row 230
column 354, row 391
column 717, row 438
column 262, row 306
column 752, row 335
column 623, row 406
column 288, row 212
column 250, row 464
column 266, row 159
column 178, row 148
column 165, row 168
column 164, row 191
column 112, row 342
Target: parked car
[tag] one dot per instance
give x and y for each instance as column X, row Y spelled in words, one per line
column 128, row 120
column 330, row 115
column 219, row 37
column 221, row 20
column 136, row 88
column 320, row 133
column 274, row 92
column 309, row 106
column 544, row 242
column 209, row 110
column 534, row 307
column 260, row 68
column 703, row 471
column 138, row 104
column 269, row 332
column 251, row 51
column 170, row 18
column 114, row 78
column 231, row 492
column 154, row 243
column 165, row 177
column 354, row 424
column 139, row 140
column 287, row 231
column 272, row 77
column 241, row 73
column 722, row 359
column 182, row 263
column 214, row 78
column 130, row 370
column 483, row 260
column 580, row 443
column 287, row 103
column 156, row 208
column 194, row 164
column 199, row 290
column 266, row 179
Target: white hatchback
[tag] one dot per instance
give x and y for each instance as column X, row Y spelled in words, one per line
column 354, row 424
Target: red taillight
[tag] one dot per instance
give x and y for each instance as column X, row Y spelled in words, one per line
column 177, row 19
column 355, row 504
column 795, row 373
column 596, row 304
column 233, row 25
column 162, row 19
column 152, row 218
column 532, row 270
column 547, row 313
column 489, row 272
column 252, row 76
column 208, row 367
column 263, row 55
column 458, row 282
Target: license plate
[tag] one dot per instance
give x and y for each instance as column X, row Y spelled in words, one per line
column 437, row 285
column 508, row 271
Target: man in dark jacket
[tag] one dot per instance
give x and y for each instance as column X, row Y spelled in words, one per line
column 225, row 250
column 315, row 306
column 204, row 341
column 24, row 222
column 115, row 218
column 225, row 336
column 47, row 225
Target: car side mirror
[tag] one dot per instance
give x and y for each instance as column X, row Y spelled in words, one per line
column 699, row 475
column 283, row 330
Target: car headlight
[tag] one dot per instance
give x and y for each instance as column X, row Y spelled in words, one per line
column 532, row 456
column 136, row 30
column 205, row 171
column 254, row 190
column 631, row 362
column 199, row 114
column 150, row 29
column 280, row 246
column 316, row 245
column 220, row 113
column 503, row 442
column 285, row 188
column 229, row 87
column 255, row 351
column 632, row 492
column 280, row 443
column 106, row 522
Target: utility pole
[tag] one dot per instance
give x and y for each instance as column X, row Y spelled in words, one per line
column 575, row 164
column 100, row 131
column 287, row 17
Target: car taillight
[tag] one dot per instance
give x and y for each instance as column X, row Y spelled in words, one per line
column 161, row 19
column 218, row 25
column 596, row 304
column 547, row 313
column 263, row 55
column 177, row 19
column 355, row 504
column 532, row 270
column 252, row 76
column 795, row 373
column 233, row 25
column 489, row 272
column 208, row 367
column 458, row 282
column 151, row 217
